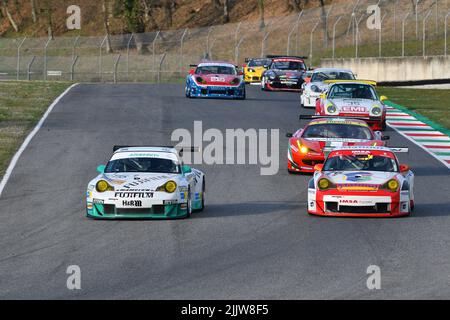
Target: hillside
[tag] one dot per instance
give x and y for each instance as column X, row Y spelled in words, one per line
column 153, row 14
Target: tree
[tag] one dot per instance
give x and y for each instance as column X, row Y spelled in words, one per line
column 226, row 13
column 262, row 24
column 168, row 6
column 134, row 17
column 8, row 14
column 106, row 25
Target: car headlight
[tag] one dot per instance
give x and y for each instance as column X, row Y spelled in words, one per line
column 251, row 70
column 103, row 186
column 235, row 81
column 301, row 148
column 324, row 184
column 272, row 76
column 376, row 110
column 392, row 185
column 331, row 108
column 169, row 187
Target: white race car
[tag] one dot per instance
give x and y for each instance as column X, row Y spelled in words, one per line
column 311, row 91
column 145, row 183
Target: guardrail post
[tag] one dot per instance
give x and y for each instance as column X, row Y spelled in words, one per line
column 116, row 64
column 311, row 39
column 161, row 61
column 18, row 58
column 45, row 57
column 334, row 33
column 30, row 64
column 72, row 68
column 403, row 33
column 128, row 55
column 424, row 24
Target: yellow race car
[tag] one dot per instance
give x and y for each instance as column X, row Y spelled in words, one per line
column 254, row 68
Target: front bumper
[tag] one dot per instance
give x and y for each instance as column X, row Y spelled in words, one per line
column 231, row 92
column 111, row 212
column 252, row 78
column 277, row 85
column 309, row 100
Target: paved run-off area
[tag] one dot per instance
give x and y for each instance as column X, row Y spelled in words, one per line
column 254, row 240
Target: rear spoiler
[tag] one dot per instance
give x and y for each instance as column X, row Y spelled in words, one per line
column 393, row 149
column 371, row 82
column 270, row 56
column 193, row 65
column 312, row 117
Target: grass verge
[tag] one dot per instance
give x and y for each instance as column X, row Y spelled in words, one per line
column 22, row 105
column 430, row 103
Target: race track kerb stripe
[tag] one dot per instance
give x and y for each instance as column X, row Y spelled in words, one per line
column 28, row 139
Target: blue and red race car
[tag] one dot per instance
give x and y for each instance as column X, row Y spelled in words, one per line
column 215, row 80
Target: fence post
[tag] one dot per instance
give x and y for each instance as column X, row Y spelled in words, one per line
column 263, row 43
column 181, row 50
column 311, row 39
column 74, row 46
column 325, row 36
column 30, row 64
column 236, row 33
column 72, row 68
column 128, row 55
column 380, row 33
column 423, row 31
column 207, row 42
column 116, row 64
column 334, row 33
column 236, row 50
column 153, row 49
column 100, row 64
column 297, row 38
column 403, row 33
column 160, row 66
column 45, row 57
column 292, row 31
column 445, row 34
column 18, row 57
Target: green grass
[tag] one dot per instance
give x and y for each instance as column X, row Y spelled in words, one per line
column 22, row 104
column 433, row 104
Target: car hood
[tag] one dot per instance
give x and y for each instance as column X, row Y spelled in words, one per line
column 322, row 86
column 319, row 144
column 138, row 181
column 355, row 105
column 217, row 79
column 374, row 178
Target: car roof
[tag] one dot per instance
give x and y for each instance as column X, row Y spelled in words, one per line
column 332, row 69
column 339, row 120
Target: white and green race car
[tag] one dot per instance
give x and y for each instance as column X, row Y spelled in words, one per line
column 145, row 183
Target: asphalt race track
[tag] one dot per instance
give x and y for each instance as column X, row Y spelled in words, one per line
column 254, row 240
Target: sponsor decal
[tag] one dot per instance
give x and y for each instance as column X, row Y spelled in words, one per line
column 357, row 187
column 98, row 201
column 354, row 109
column 358, row 176
column 132, row 203
column 170, row 202
column 348, row 201
column 142, row 181
column 217, row 79
column 143, row 195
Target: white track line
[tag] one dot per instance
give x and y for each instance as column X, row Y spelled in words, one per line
column 27, row 141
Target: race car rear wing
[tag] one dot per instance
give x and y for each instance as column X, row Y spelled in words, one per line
column 371, row 82
column 312, row 117
column 270, row 56
column 393, row 149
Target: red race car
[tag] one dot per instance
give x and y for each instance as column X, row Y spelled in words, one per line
column 362, row 181
column 306, row 146
column 353, row 99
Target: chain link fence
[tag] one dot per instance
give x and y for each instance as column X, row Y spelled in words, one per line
column 407, row 28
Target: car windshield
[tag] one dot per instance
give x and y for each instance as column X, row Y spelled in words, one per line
column 147, row 165
column 365, row 162
column 288, row 65
column 341, row 131
column 215, row 70
column 331, row 75
column 352, row 91
column 258, row 63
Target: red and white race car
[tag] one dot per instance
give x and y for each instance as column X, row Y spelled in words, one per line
column 306, row 146
column 353, row 99
column 362, row 182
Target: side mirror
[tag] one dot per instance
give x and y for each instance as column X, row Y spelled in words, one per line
column 186, row 169
column 404, row 168
column 289, row 135
column 385, row 138
column 383, row 98
column 318, row 167
column 101, row 169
